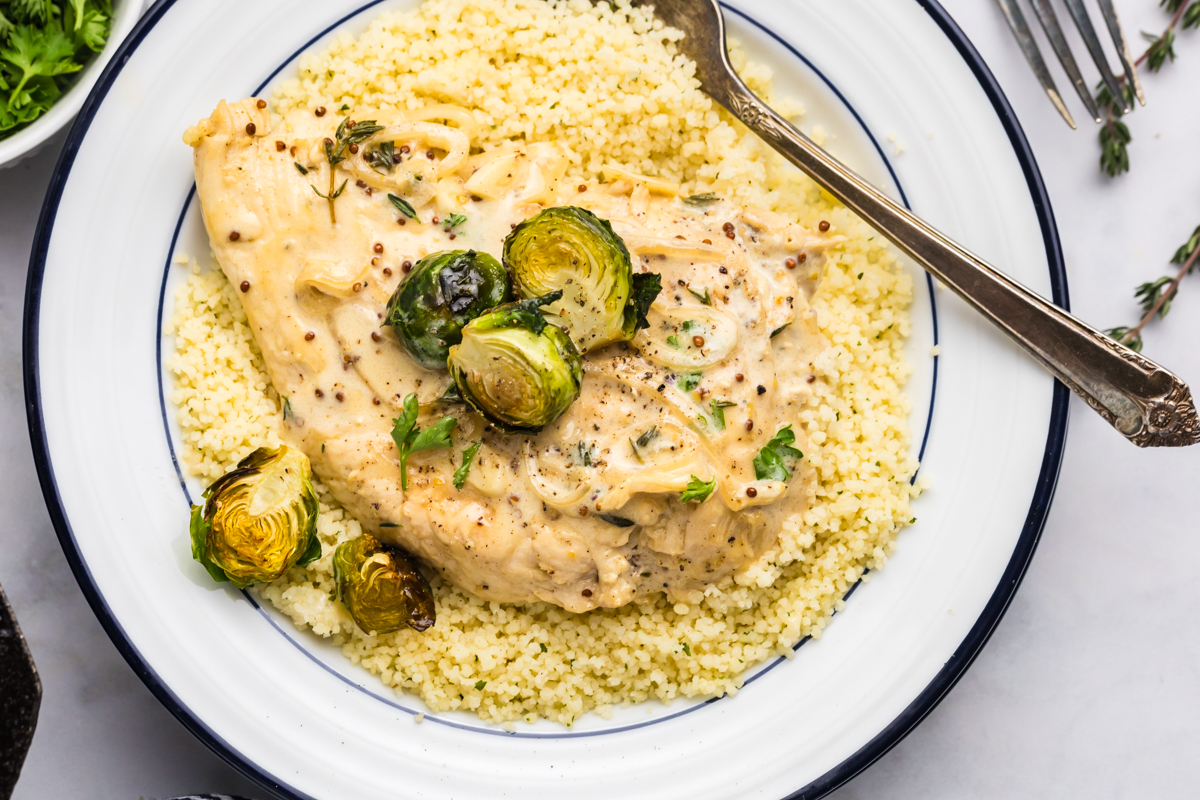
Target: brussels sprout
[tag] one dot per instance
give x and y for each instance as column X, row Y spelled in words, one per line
column 259, row 520
column 572, row 250
column 515, row 368
column 381, row 587
column 444, row 292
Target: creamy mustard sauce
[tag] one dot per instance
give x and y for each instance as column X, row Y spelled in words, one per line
column 732, row 326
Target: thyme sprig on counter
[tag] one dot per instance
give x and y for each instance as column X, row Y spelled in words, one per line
column 1155, row 296
column 349, row 136
column 1115, row 136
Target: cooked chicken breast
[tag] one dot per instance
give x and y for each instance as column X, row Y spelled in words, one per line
column 586, row 513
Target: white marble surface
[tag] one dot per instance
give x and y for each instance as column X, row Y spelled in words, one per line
column 1089, row 687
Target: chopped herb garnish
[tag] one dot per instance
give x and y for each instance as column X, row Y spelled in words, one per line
column 388, row 525
column 382, row 158
column 322, row 447
column 479, row 685
column 705, row 199
column 780, row 329
column 287, row 410
column 460, row 474
column 454, row 220
column 718, row 412
column 697, row 491
column 344, row 108
column 553, row 106
column 647, row 437
column 687, row 649
column 705, row 298
column 689, row 325
column 620, row 522
column 689, row 380
column 673, row 341
column 300, row 168
column 586, row 452
column 409, row 437
column 404, row 207
column 769, row 464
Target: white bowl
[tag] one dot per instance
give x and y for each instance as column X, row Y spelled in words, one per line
column 29, row 140
column 905, row 100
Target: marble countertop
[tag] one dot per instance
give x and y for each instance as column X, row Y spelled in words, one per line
column 1088, row 688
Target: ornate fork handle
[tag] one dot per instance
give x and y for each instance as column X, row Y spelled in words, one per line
column 1147, row 403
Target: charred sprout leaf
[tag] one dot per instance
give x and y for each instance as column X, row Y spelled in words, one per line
column 646, row 288
column 697, row 491
column 514, row 368
column 409, row 437
column 381, row 587
column 689, row 380
column 770, row 463
column 572, row 250
column 705, row 298
column 258, row 520
column 460, row 474
column 701, row 200
column 403, row 206
column 620, row 522
column 300, row 168
column 718, row 412
column 443, row 293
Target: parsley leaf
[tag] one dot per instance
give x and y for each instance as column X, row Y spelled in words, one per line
column 689, row 380
column 409, row 437
column 454, row 220
column 460, row 474
column 697, row 491
column 718, row 412
column 769, row 463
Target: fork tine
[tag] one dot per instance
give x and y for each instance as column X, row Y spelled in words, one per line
column 1016, row 21
column 1114, row 27
column 1084, row 23
column 1049, row 20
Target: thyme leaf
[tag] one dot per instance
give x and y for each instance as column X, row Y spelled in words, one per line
column 404, row 207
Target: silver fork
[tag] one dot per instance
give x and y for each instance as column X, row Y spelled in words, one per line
column 1058, row 42
column 1145, row 402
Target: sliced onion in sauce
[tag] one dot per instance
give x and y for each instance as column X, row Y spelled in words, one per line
column 719, row 331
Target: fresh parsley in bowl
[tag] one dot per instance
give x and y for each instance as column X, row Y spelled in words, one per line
column 51, row 52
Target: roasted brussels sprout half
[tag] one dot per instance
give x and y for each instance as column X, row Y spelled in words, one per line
column 519, row 371
column 259, row 520
column 444, row 292
column 572, row 250
column 381, row 587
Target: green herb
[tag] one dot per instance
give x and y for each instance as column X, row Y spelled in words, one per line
column 689, row 325
column 687, row 649
column 543, row 646
column 454, row 220
column 718, row 412
column 388, row 525
column 287, row 410
column 300, row 169
column 344, row 107
column 336, row 150
column 1115, row 136
column 322, row 447
column 405, row 209
column 1155, row 297
column 382, row 158
column 587, row 452
column 689, row 380
column 460, row 474
column 409, row 437
column 673, row 341
column 705, row 298
column 697, row 491
column 647, row 437
column 43, row 43
column 780, row 329
column 479, row 685
column 701, row 200
column 553, row 106
column 770, row 463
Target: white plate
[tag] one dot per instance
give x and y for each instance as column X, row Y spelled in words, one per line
column 290, row 711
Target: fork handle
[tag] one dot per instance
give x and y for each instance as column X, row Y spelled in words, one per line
column 1145, row 402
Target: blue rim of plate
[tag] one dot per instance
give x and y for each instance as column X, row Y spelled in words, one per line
column 878, row 746
column 289, row 634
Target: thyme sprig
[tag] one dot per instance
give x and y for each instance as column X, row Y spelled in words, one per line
column 1115, row 136
column 1155, row 296
column 349, row 136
